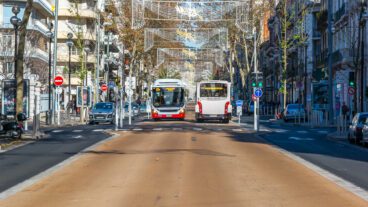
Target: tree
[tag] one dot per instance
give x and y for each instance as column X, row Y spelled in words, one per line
column 20, row 55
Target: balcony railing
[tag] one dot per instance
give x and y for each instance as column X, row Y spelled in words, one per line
column 34, row 53
column 33, row 24
column 341, row 12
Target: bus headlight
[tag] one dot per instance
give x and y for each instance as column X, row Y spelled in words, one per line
column 182, row 111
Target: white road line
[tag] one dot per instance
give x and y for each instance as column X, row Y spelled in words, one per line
column 280, row 130
column 78, row 137
column 98, row 130
column 237, row 130
column 57, row 131
column 137, row 129
column 301, row 139
column 157, row 129
column 197, row 129
column 302, row 132
column 77, row 131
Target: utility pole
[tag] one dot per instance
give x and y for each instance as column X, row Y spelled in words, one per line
column 330, row 72
column 256, row 72
column 55, row 56
column 362, row 59
column 97, row 78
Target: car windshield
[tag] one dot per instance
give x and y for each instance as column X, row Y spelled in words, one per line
column 363, row 119
column 103, row 106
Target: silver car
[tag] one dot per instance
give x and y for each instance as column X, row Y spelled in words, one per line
column 293, row 111
column 356, row 128
column 102, row 113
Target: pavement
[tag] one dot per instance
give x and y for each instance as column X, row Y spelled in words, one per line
column 171, row 163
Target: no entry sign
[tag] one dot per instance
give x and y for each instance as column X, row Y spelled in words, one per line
column 351, row 91
column 104, row 87
column 58, row 80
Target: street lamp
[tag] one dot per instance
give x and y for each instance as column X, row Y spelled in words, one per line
column 51, row 36
column 70, row 44
column 87, row 50
column 15, row 21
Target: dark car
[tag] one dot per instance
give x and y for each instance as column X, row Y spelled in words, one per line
column 356, row 127
column 102, row 112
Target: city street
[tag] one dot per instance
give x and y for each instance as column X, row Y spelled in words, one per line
column 171, row 163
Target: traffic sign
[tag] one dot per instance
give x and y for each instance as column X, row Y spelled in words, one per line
column 59, row 90
column 239, row 103
column 351, row 91
column 254, row 98
column 129, row 92
column 258, row 92
column 104, row 87
column 58, row 80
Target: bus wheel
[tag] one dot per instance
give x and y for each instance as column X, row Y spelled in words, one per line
column 225, row 121
column 155, row 119
column 199, row 120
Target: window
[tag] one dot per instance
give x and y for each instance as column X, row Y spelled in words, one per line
column 8, row 67
column 6, row 42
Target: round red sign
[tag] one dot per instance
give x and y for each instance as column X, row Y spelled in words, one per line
column 104, row 87
column 254, row 98
column 58, row 80
column 351, row 91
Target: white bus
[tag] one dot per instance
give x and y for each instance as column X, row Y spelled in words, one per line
column 213, row 101
column 168, row 99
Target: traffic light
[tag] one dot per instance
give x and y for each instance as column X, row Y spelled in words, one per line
column 254, row 84
column 260, row 84
column 352, row 79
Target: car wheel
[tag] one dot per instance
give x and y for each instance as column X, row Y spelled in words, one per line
column 16, row 134
column 91, row 122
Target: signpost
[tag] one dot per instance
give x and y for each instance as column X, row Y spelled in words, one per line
column 351, row 91
column 58, row 81
column 239, row 108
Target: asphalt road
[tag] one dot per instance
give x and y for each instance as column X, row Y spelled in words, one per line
column 184, row 164
column 27, row 161
column 345, row 160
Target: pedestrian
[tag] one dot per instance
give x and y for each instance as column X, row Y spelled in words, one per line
column 345, row 109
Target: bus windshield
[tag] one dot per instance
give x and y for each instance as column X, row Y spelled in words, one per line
column 168, row 97
column 209, row 90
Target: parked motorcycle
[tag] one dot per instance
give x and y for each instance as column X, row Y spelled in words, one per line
column 11, row 128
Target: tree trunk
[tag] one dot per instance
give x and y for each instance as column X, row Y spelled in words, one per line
column 20, row 56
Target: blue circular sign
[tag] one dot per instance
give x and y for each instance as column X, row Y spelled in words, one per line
column 258, row 93
column 239, row 103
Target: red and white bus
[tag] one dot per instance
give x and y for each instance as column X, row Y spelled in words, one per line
column 168, row 99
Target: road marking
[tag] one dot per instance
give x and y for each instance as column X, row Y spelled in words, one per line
column 157, row 129
column 78, row 137
column 323, row 132
column 265, row 130
column 237, row 130
column 301, row 139
column 77, row 131
column 197, row 129
column 302, row 132
column 98, row 130
column 57, row 131
column 137, row 129
column 280, row 130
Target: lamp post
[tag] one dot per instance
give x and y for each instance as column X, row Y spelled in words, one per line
column 86, row 50
column 362, row 60
column 15, row 21
column 51, row 36
column 70, row 44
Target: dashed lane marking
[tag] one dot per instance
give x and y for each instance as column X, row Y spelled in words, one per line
column 197, row 129
column 77, row 131
column 237, row 130
column 57, row 131
column 301, row 139
column 78, row 137
column 98, row 130
column 137, row 129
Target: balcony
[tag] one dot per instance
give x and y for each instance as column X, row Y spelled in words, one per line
column 33, row 24
column 34, row 53
column 344, row 56
column 87, row 13
column 340, row 13
column 43, row 4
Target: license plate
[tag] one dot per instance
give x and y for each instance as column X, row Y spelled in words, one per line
column 168, row 116
column 99, row 117
column 213, row 115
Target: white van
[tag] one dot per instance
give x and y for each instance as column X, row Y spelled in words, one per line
column 213, row 101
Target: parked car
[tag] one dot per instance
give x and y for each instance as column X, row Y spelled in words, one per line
column 102, row 112
column 293, row 111
column 356, row 127
column 135, row 109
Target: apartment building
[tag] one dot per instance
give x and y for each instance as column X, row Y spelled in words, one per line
column 36, row 53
